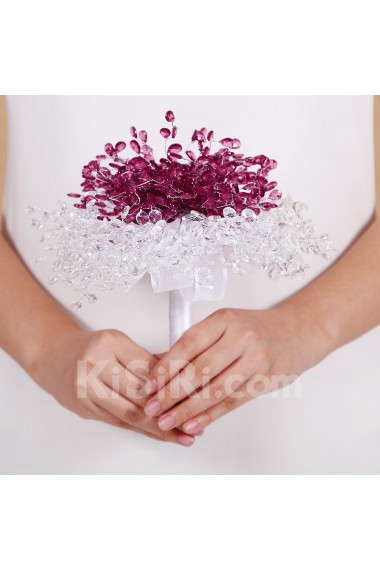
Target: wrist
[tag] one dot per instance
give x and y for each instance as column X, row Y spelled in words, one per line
column 313, row 332
column 48, row 346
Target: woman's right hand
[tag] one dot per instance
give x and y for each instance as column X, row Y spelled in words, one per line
column 100, row 375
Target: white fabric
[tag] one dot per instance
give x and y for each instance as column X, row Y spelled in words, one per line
column 179, row 316
column 328, row 422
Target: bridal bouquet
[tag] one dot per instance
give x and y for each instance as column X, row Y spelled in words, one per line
column 184, row 219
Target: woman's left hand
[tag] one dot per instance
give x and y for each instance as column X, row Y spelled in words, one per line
column 229, row 358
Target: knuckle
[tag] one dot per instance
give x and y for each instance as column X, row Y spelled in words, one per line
column 82, row 387
column 184, row 413
column 206, row 419
column 229, row 404
column 262, row 358
column 250, row 334
column 202, row 366
column 162, row 371
column 188, row 343
column 217, row 391
column 225, row 313
column 133, row 416
column 108, row 336
column 165, row 435
column 170, row 394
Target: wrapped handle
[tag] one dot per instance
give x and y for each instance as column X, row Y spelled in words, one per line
column 179, row 315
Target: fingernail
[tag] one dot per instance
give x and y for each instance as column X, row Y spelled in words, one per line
column 166, row 422
column 185, row 440
column 199, row 432
column 152, row 408
column 150, row 386
column 191, row 426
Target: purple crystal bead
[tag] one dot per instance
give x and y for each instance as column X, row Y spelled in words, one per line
column 120, row 146
column 135, row 146
column 170, row 116
column 200, row 181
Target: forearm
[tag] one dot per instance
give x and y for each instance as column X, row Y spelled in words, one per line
column 344, row 302
column 30, row 319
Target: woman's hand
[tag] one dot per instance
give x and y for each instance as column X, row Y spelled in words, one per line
column 99, row 376
column 227, row 359
column 48, row 344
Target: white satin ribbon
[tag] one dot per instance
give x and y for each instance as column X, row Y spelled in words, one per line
column 179, row 315
column 183, row 291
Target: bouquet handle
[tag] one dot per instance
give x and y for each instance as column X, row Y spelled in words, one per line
column 179, row 315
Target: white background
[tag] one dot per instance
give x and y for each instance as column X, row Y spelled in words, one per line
column 271, row 47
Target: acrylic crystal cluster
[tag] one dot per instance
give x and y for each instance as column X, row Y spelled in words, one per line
column 182, row 213
column 141, row 189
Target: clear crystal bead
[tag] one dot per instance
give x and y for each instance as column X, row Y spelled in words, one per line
column 229, row 212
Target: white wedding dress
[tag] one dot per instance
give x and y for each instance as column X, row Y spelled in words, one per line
column 328, row 422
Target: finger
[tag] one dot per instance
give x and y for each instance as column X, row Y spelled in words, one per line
column 219, row 389
column 130, row 413
column 195, row 341
column 141, row 362
column 256, row 386
column 196, row 374
column 123, row 381
column 101, row 415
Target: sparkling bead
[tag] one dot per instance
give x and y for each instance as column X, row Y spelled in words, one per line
column 272, row 164
column 227, row 142
column 248, row 214
column 275, row 195
column 120, row 146
column 204, row 277
column 267, row 205
column 299, row 207
column 195, row 216
column 165, row 133
column 143, row 136
column 138, row 163
column 191, row 155
column 135, row 147
column 170, row 116
column 229, row 212
column 89, row 298
column 175, row 148
column 133, row 132
column 142, row 217
column 155, row 216
column 174, row 156
column 147, row 150
column 109, row 149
